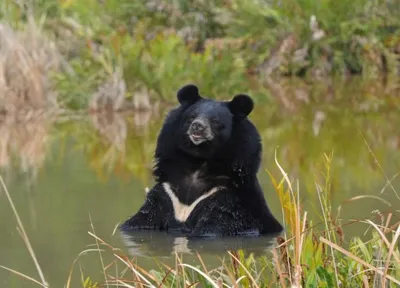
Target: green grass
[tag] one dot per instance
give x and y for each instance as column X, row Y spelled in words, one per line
column 86, row 54
column 155, row 47
column 303, row 256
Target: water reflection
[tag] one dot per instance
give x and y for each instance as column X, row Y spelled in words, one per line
column 163, row 244
column 24, row 136
column 112, row 127
column 100, row 165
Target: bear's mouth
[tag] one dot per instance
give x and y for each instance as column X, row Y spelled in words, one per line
column 197, row 135
column 199, row 131
column 197, row 138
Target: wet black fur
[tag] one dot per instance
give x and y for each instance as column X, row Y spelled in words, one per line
column 231, row 160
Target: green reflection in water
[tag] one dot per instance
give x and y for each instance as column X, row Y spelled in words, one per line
column 100, row 165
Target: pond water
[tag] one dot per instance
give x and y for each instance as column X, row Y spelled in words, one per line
column 68, row 177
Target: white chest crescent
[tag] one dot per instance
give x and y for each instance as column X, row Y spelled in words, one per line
column 182, row 211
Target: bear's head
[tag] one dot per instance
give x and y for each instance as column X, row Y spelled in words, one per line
column 205, row 125
column 201, row 129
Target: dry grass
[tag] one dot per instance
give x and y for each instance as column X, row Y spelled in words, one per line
column 293, row 214
column 26, row 58
column 291, row 256
column 24, row 236
column 111, row 95
column 182, row 275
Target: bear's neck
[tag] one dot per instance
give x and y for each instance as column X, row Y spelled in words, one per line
column 190, row 178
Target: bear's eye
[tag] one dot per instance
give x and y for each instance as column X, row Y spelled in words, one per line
column 214, row 120
column 190, row 118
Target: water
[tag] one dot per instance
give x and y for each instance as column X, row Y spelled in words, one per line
column 67, row 176
column 162, row 244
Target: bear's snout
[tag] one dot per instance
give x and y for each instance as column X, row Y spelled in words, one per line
column 197, row 126
column 200, row 131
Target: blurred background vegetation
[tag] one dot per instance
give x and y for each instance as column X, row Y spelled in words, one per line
column 324, row 76
column 123, row 53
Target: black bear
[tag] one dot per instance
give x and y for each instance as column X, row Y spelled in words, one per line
column 207, row 157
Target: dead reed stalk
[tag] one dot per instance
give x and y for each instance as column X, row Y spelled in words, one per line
column 26, row 58
column 24, row 236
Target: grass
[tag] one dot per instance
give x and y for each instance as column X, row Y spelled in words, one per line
column 121, row 53
column 303, row 256
column 24, row 236
column 26, row 57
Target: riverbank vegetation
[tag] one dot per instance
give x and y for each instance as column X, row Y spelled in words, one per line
column 129, row 54
column 330, row 69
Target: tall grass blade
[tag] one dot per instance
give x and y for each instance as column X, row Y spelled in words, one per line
column 389, row 182
column 73, row 264
column 211, row 281
column 24, row 235
column 391, row 252
column 128, row 264
column 384, row 239
column 23, row 276
column 101, row 257
column 245, row 269
column 359, row 260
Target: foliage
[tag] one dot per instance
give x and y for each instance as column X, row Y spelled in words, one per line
column 88, row 283
column 303, row 257
column 153, row 47
column 157, row 46
column 310, row 253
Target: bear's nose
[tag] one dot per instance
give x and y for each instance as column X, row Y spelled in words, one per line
column 197, row 126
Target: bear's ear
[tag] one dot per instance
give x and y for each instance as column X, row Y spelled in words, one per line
column 241, row 105
column 188, row 94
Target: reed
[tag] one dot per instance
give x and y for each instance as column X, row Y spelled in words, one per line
column 304, row 256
